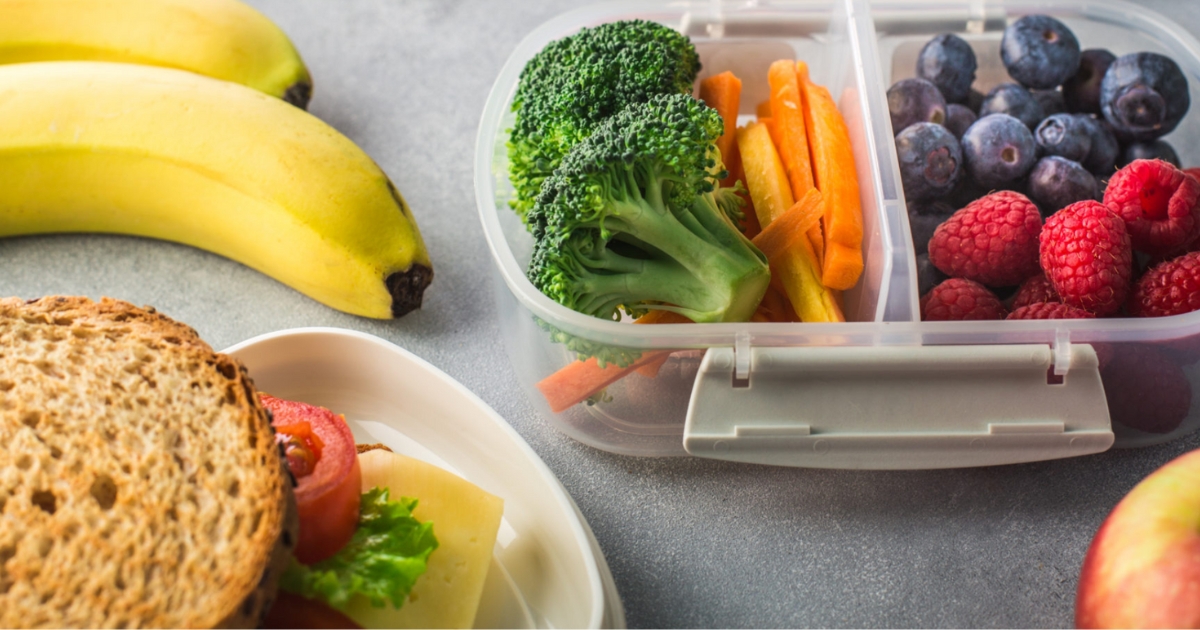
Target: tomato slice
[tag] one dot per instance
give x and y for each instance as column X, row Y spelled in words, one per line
column 328, row 482
column 294, row 611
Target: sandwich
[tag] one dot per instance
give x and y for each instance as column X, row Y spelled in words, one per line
column 140, row 479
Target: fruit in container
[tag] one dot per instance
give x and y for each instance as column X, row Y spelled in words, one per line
column 1051, row 101
column 1039, row 52
column 1081, row 93
column 1144, row 96
column 915, row 100
column 1049, row 310
column 222, row 39
column 1065, row 135
column 959, row 299
column 1101, row 158
column 1142, row 569
column 1085, row 253
column 1170, row 288
column 948, row 62
column 998, row 150
column 959, row 118
column 1153, row 150
column 1057, row 182
column 169, row 154
column 1014, row 100
column 1159, row 204
column 992, row 241
column 931, row 161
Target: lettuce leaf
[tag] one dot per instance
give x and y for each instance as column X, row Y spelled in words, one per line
column 382, row 561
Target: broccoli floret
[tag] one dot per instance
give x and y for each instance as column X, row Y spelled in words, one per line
column 576, row 82
column 630, row 221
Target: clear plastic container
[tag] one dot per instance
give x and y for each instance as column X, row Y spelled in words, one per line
column 883, row 390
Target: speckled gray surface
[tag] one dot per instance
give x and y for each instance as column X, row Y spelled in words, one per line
column 692, row 543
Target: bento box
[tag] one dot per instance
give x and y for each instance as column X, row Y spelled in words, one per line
column 884, row 389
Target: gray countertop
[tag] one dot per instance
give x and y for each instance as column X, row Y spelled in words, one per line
column 690, row 542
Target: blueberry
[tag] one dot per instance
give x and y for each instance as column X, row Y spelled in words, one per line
column 958, row 118
column 930, row 161
column 1014, row 100
column 949, row 63
column 1156, row 150
column 974, row 100
column 913, row 101
column 998, row 150
column 1067, row 135
column 1102, row 159
column 928, row 276
column 1051, row 101
column 924, row 219
column 966, row 191
column 1057, row 182
column 1039, row 52
column 1144, row 96
column 1082, row 91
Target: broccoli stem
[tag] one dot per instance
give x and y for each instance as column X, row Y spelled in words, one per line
column 706, row 277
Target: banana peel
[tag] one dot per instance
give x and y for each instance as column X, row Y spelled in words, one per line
column 223, row 39
column 169, row 154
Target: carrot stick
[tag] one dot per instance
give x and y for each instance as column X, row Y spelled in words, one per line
column 787, row 109
column 794, row 264
column 780, row 235
column 580, row 380
column 791, row 138
column 763, row 109
column 786, row 246
column 836, row 178
column 723, row 92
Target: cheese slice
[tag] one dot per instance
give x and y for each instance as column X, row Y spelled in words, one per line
column 465, row 521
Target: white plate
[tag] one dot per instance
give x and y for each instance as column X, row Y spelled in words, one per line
column 547, row 570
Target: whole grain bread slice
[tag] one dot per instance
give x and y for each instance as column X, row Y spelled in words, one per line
column 140, row 482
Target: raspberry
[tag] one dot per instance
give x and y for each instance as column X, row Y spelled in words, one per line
column 1086, row 255
column 993, row 241
column 1160, row 205
column 1035, row 290
column 959, row 299
column 1145, row 389
column 1049, row 310
column 1194, row 172
column 1169, row 288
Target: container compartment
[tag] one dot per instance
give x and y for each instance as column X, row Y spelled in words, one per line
column 641, row 415
column 1165, row 346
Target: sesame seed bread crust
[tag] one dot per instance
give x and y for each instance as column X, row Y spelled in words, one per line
column 140, row 482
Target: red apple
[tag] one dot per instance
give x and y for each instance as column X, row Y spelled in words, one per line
column 1142, row 569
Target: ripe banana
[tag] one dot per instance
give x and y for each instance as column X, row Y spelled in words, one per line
column 123, row 148
column 223, row 39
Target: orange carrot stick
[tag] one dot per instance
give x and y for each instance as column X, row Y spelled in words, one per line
column 791, row 138
column 580, row 380
column 723, row 92
column 786, row 246
column 836, row 178
column 781, row 234
column 763, row 109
